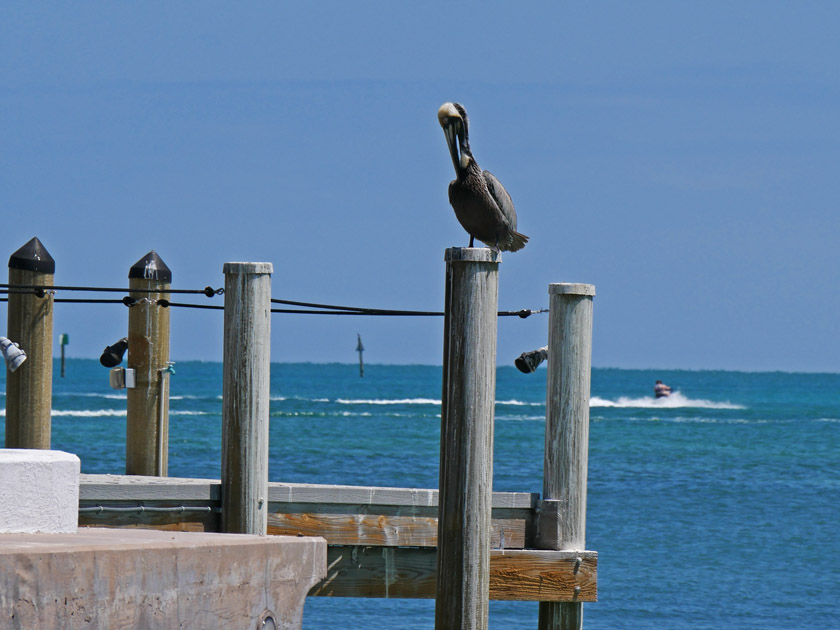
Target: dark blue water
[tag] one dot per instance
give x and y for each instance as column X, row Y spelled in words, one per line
column 717, row 507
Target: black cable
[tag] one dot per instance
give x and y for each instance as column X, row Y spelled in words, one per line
column 82, row 301
column 375, row 312
column 369, row 311
column 208, row 291
column 182, row 305
column 326, row 309
column 327, row 306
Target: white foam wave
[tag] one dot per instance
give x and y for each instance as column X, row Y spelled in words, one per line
column 377, row 401
column 674, row 401
column 88, row 413
column 520, row 418
column 92, row 395
column 520, row 403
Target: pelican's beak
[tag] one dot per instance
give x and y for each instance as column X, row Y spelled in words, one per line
column 453, row 129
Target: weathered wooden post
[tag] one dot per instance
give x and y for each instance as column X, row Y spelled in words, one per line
column 562, row 523
column 466, row 438
column 30, row 325
column 245, row 409
column 147, row 415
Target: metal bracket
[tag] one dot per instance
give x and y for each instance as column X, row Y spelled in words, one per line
column 122, row 378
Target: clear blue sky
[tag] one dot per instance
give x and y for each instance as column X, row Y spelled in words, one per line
column 681, row 156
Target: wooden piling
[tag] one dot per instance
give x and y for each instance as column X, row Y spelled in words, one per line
column 562, row 522
column 147, row 415
column 245, row 409
column 30, row 325
column 466, row 453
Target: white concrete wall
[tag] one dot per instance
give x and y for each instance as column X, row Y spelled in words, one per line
column 39, row 491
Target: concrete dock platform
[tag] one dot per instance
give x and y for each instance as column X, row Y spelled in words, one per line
column 138, row 578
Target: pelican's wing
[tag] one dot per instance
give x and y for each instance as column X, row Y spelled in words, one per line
column 502, row 198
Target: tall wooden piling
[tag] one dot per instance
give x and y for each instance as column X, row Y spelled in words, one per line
column 562, row 523
column 147, row 415
column 466, row 451
column 245, row 409
column 30, row 325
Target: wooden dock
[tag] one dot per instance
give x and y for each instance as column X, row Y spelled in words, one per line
column 382, row 541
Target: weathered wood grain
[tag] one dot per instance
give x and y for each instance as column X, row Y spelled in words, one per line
column 377, row 495
column 393, row 530
column 135, row 487
column 466, row 437
column 542, row 575
column 245, row 404
column 105, row 488
column 390, row 558
column 404, row 572
column 563, row 524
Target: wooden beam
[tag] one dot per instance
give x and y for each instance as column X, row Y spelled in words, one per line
column 99, row 488
column 134, row 487
column 376, row 550
column 359, row 527
column 405, row 572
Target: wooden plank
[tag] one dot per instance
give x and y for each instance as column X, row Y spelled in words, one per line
column 133, row 487
column 543, row 575
column 104, row 488
column 405, row 572
column 358, row 528
column 375, row 495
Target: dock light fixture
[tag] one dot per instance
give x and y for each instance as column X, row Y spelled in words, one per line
column 112, row 356
column 528, row 362
column 12, row 353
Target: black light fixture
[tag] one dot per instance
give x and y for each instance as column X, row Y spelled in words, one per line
column 12, row 353
column 528, row 362
column 112, row 356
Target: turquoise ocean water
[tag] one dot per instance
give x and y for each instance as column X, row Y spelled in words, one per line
column 715, row 508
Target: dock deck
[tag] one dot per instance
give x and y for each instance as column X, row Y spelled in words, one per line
column 382, row 542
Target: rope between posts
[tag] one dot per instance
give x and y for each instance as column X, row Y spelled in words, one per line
column 310, row 308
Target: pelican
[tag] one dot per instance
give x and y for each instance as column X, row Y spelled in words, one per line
column 482, row 205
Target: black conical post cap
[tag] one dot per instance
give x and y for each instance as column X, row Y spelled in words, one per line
column 151, row 267
column 33, row 257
